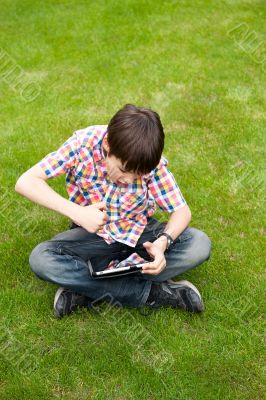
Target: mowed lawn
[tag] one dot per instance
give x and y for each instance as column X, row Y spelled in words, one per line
column 201, row 65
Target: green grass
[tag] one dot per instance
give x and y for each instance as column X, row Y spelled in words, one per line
column 90, row 58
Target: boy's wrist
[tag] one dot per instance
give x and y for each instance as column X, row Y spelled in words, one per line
column 69, row 209
column 161, row 242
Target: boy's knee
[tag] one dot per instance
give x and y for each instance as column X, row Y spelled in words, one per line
column 38, row 259
column 201, row 246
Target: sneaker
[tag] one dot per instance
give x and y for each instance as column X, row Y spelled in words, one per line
column 180, row 294
column 66, row 302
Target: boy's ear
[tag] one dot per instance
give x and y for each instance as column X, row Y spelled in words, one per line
column 106, row 145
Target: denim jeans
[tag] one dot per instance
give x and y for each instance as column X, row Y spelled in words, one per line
column 63, row 260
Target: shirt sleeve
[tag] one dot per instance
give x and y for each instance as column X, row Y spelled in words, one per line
column 60, row 161
column 164, row 188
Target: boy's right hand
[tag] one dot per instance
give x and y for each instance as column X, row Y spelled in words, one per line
column 92, row 217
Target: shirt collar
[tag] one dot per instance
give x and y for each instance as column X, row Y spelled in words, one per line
column 99, row 152
column 103, row 152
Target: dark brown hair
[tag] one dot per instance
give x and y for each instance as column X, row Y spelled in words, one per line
column 136, row 137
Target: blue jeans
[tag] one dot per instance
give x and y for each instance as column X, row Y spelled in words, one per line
column 63, row 260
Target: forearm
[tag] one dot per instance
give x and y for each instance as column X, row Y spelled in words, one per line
column 177, row 223
column 38, row 191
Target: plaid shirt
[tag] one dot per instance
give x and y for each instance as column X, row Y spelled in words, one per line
column 82, row 159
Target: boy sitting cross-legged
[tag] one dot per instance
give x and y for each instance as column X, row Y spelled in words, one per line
column 116, row 175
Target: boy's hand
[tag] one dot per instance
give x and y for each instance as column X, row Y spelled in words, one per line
column 92, row 217
column 159, row 262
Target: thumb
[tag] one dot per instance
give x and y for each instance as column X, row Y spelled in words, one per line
column 147, row 244
column 101, row 205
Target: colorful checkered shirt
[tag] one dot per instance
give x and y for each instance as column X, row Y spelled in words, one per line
column 82, row 159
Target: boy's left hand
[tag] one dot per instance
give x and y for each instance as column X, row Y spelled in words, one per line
column 159, row 262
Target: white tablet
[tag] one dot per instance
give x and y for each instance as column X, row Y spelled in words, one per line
column 117, row 271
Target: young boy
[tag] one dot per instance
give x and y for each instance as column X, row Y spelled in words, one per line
column 115, row 176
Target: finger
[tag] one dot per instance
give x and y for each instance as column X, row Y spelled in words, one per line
column 155, row 266
column 102, row 224
column 157, row 262
column 152, row 250
column 105, row 216
column 154, row 271
column 150, row 266
column 101, row 205
column 147, row 244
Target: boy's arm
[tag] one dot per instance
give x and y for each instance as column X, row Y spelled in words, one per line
column 168, row 196
column 178, row 222
column 32, row 185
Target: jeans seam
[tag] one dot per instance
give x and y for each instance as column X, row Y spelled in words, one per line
column 72, row 243
column 146, row 293
column 59, row 249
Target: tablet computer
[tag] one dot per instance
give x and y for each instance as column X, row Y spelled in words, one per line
column 124, row 269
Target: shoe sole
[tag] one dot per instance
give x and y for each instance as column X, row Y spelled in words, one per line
column 57, row 295
column 189, row 285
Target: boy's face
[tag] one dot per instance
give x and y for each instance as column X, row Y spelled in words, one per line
column 115, row 168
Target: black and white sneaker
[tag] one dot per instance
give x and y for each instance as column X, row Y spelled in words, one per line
column 180, row 294
column 66, row 302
